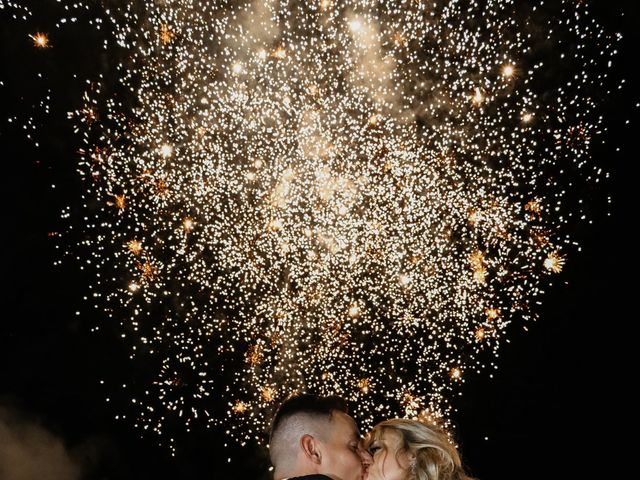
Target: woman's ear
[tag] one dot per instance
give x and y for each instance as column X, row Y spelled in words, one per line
column 310, row 448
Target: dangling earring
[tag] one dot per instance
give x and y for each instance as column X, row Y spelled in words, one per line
column 412, row 467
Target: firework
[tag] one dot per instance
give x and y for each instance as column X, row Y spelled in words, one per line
column 350, row 197
column 40, row 40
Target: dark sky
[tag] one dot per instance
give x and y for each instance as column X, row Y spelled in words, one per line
column 554, row 408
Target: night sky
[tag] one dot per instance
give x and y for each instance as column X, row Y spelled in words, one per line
column 553, row 409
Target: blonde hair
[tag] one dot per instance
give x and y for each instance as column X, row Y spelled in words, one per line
column 436, row 458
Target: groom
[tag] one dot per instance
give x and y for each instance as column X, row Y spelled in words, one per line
column 313, row 438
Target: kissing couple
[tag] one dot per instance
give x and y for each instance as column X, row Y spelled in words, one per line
column 315, row 438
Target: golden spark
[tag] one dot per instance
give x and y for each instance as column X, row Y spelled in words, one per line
column 554, row 262
column 477, row 264
column 254, row 355
column 364, row 384
column 40, row 40
column 135, row 247
column 148, row 270
column 412, row 404
column 508, row 71
column 268, row 394
column 492, row 313
column 166, row 150
column 473, row 217
column 119, row 201
column 239, row 407
column 275, row 225
column 540, row 236
column 533, row 206
column 166, row 34
column 478, row 98
column 160, row 187
column 280, row 53
column 187, row 224
column 399, row 40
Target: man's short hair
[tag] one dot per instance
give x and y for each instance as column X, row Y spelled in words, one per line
column 307, row 403
column 296, row 414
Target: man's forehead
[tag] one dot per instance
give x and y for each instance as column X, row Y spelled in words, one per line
column 346, row 423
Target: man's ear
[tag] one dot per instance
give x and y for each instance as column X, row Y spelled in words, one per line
column 310, row 448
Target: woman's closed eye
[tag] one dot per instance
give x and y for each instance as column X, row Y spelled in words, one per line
column 373, row 449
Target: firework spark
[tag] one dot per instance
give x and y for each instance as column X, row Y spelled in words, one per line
column 343, row 196
column 40, row 40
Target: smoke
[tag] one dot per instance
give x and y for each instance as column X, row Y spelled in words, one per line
column 28, row 451
column 375, row 70
column 255, row 28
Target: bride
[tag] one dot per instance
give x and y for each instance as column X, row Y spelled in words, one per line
column 412, row 450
